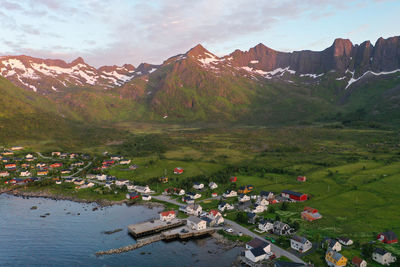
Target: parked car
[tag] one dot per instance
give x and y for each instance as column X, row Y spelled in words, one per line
column 229, row 230
column 270, row 239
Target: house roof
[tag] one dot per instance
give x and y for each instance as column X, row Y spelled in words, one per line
column 300, row 239
column 390, row 235
column 256, row 242
column 344, row 239
column 335, row 255
column 167, row 213
column 194, row 219
column 332, row 243
column 357, row 260
column 290, row 192
column 214, row 212
column 380, row 251
column 265, row 193
column 251, row 215
column 258, row 251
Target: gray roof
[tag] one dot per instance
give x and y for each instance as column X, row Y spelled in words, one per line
column 300, row 239
column 380, row 251
column 195, row 219
column 258, row 251
column 256, row 242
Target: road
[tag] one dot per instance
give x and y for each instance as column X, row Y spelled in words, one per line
column 238, row 228
column 40, row 155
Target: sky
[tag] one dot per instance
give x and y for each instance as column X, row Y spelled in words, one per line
column 108, row 32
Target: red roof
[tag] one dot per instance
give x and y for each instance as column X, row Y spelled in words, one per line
column 233, row 179
column 214, row 212
column 167, row 213
column 311, row 210
column 357, row 261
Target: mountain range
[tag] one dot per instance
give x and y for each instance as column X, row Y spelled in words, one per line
column 259, row 86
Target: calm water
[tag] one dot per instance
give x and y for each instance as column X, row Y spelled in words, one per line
column 65, row 238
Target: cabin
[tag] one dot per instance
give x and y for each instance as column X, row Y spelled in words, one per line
column 262, row 202
column 194, row 209
column 163, row 180
column 66, row 171
column 178, row 191
column 265, row 225
column 257, row 209
column 55, row 154
column 100, row 177
column 166, row 216
column 245, row 189
column 146, row 197
column 195, row 223
column 335, row 259
column 310, row 214
column 10, row 166
column 87, row 185
column 225, row 206
column 25, row 174
column 301, row 178
column 142, row 189
column 345, row 241
column 388, row 237
column 198, row 186
column 121, row 182
column 334, row 245
column 15, row 181
column 108, row 162
column 178, row 170
column 56, row 165
column 69, row 180
column 230, row 193
column 358, row 262
column 29, row 156
column 214, row 194
column 243, row 198
column 212, row 185
column 116, row 157
column 194, row 195
column 15, row 148
column 79, row 182
column 300, row 243
column 383, row 257
column 297, row 196
column 42, row 173
column 233, row 179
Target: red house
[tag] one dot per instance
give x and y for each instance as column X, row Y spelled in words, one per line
column 301, row 178
column 388, row 237
column 108, row 162
column 178, row 170
column 10, row 166
column 56, row 165
column 294, row 195
column 132, row 196
column 233, row 179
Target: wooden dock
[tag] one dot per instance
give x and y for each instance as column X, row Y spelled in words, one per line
column 166, row 235
column 153, row 227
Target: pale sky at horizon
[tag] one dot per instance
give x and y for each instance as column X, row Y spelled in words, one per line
column 106, row 32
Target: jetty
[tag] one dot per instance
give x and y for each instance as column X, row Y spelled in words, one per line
column 153, row 227
column 182, row 232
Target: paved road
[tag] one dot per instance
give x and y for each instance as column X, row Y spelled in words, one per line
column 238, row 228
column 40, row 155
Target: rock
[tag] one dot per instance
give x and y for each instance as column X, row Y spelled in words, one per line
column 34, row 208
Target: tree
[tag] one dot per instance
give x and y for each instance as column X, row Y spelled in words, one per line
column 271, row 209
column 241, row 217
column 284, row 206
column 296, row 225
column 367, row 249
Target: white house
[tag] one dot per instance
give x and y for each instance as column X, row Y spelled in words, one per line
column 257, row 209
column 212, row 185
column 225, row 206
column 257, row 250
column 194, row 195
column 4, row 174
column 334, row 245
column 383, row 257
column 301, row 244
column 101, row 177
column 29, row 156
column 146, row 197
column 166, row 216
column 179, row 192
column 262, row 202
column 198, row 186
column 125, row 161
column 142, row 189
column 230, row 193
column 55, row 154
column 243, row 198
column 265, row 226
column 130, row 187
column 116, row 157
column 121, row 182
column 216, row 217
column 195, row 223
column 25, row 174
column 194, row 209
column 345, row 241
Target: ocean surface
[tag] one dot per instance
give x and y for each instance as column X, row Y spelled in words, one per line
column 64, row 238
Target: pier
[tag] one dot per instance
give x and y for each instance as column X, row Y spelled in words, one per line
column 153, row 227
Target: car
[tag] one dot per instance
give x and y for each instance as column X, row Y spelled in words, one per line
column 240, row 233
column 270, row 239
column 184, row 231
column 229, row 230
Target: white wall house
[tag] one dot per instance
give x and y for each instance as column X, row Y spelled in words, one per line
column 195, row 223
column 212, row 185
column 230, row 193
column 301, row 244
column 383, row 257
column 198, row 186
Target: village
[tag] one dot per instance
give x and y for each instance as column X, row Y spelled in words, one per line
column 240, row 213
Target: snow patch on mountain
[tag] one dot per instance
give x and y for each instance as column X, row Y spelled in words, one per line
column 314, row 76
column 353, row 80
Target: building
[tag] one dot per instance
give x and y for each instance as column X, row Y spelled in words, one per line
column 142, row 189
column 257, row 209
column 100, row 177
column 245, row 189
column 225, row 206
column 10, row 166
column 212, row 185
column 42, row 173
column 388, row 237
column 257, row 250
column 301, row 244
column 230, row 193
column 281, row 228
column 267, row 195
column 178, row 170
column 166, row 216
column 14, row 148
column 125, row 161
column 280, row 263
column 4, row 174
column 301, row 178
column 335, row 259
column 265, row 225
column 132, row 195
column 25, row 174
column 358, row 262
column 194, row 195
column 195, row 223
column 294, row 195
column 194, row 209
column 216, row 217
column 345, row 241
column 121, row 182
column 251, row 217
column 56, row 165
column 383, row 257
column 198, row 186
column 79, row 182
column 243, row 198
column 334, row 245
column 262, row 202
column 214, row 194
column 310, row 214
column 233, row 179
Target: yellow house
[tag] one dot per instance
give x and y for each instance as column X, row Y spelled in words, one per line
column 245, row 189
column 335, row 259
